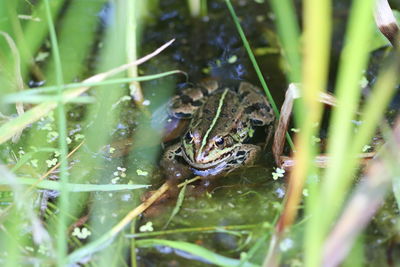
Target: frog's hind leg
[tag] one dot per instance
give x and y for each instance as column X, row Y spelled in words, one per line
column 255, row 105
column 184, row 105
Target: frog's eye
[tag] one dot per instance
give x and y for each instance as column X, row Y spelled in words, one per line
column 189, row 137
column 219, row 141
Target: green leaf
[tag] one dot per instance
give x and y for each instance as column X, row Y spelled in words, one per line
column 178, row 205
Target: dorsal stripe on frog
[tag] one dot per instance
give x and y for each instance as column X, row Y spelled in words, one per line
column 220, row 104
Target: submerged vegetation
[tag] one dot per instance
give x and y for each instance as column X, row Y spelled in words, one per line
column 84, row 91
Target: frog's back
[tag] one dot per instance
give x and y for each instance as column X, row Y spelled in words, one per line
column 218, row 113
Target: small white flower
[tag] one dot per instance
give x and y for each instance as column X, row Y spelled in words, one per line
column 51, row 162
column 366, row 148
column 28, row 248
column 358, row 123
column 121, row 169
column 47, row 127
column 315, row 139
column 278, row 173
column 141, row 172
column 243, row 255
column 115, row 180
column 305, row 192
column 43, row 249
column 232, row 59
column 81, row 233
column 148, row 227
column 78, row 137
column 51, row 136
column 119, row 173
column 363, row 82
column 21, row 152
column 126, row 98
column 286, row 244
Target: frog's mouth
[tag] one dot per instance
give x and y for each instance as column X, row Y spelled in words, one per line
column 219, row 163
column 210, row 171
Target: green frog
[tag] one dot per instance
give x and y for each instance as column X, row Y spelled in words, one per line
column 222, row 120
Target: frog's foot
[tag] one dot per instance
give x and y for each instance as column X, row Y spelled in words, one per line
column 172, row 168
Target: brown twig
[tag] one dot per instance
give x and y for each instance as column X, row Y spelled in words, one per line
column 386, row 22
column 34, row 114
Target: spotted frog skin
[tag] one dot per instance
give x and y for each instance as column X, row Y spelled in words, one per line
column 222, row 120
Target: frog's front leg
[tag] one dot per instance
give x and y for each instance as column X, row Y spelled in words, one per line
column 246, row 155
column 171, row 164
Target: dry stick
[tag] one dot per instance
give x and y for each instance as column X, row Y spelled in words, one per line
column 139, row 209
column 146, row 204
column 102, row 241
column 34, row 114
column 292, row 93
column 131, row 53
column 386, row 22
column 20, row 83
column 322, row 161
column 55, row 167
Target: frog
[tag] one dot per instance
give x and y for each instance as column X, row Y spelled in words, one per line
column 222, row 122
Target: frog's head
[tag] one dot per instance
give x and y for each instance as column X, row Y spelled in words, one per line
column 208, row 151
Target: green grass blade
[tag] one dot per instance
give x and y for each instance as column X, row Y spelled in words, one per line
column 11, row 98
column 38, row 99
column 208, row 229
column 289, row 35
column 54, row 185
column 336, row 179
column 35, row 33
column 63, row 200
column 8, row 129
column 195, row 250
column 255, row 65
